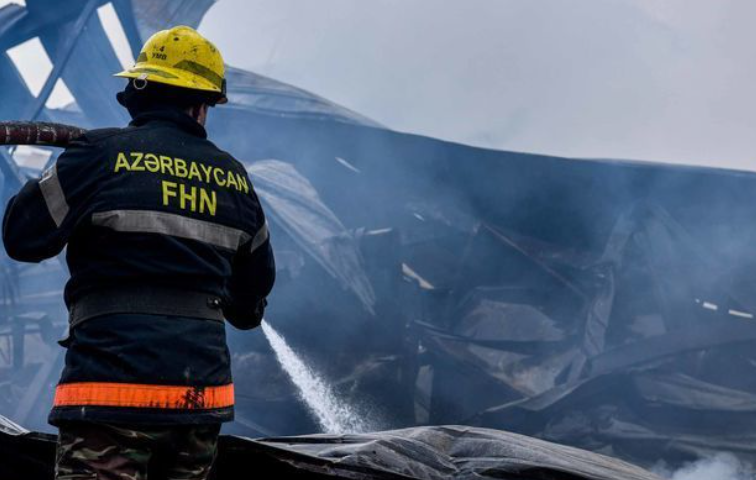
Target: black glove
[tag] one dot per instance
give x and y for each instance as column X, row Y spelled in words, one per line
column 245, row 320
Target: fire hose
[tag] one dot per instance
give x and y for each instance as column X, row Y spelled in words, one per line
column 41, row 134
column 38, row 133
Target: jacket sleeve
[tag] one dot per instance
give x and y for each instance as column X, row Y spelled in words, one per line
column 39, row 220
column 252, row 278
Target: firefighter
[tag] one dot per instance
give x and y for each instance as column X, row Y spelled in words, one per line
column 165, row 239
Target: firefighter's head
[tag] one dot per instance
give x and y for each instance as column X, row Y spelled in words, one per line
column 176, row 68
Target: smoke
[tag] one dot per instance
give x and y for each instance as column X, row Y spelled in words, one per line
column 723, row 466
column 641, row 79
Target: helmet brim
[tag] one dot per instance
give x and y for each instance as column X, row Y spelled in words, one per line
column 170, row 76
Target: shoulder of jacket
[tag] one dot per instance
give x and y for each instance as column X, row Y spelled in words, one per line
column 238, row 163
column 231, row 159
column 93, row 143
column 110, row 136
column 225, row 155
column 100, row 134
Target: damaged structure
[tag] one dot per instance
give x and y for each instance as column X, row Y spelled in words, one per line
column 599, row 304
column 429, row 453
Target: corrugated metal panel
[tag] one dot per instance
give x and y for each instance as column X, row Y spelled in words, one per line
column 260, row 94
column 152, row 15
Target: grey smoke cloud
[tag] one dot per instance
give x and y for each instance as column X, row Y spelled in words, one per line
column 668, row 80
column 721, row 467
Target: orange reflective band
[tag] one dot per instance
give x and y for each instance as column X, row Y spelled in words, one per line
column 143, row 396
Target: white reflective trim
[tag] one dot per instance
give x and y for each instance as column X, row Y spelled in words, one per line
column 146, row 221
column 260, row 237
column 53, row 194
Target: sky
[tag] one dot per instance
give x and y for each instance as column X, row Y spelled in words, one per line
column 660, row 80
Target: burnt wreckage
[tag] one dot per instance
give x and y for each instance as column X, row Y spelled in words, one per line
column 605, row 305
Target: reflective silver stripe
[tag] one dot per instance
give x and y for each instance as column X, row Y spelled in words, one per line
column 260, row 237
column 145, row 221
column 53, row 194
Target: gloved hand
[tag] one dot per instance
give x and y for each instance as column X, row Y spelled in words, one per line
column 245, row 318
column 259, row 312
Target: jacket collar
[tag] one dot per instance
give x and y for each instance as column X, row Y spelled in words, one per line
column 169, row 115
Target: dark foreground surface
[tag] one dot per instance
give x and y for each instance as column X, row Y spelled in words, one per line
column 448, row 452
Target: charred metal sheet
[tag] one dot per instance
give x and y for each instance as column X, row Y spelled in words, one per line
column 152, row 16
column 718, row 334
column 295, row 205
column 455, row 452
column 264, row 95
column 429, row 453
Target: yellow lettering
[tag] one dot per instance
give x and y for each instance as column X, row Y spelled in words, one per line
column 207, row 171
column 243, row 185
column 194, row 171
column 169, row 190
column 184, row 196
column 122, row 162
column 231, row 180
column 166, row 165
column 219, row 180
column 180, row 166
column 136, row 167
column 209, row 201
column 151, row 162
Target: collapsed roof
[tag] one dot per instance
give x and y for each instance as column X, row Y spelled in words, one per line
column 601, row 304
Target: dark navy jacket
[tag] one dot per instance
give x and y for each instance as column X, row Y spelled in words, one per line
column 154, row 205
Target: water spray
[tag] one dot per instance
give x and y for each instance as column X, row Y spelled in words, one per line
column 333, row 415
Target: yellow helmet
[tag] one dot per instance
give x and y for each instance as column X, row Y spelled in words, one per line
column 183, row 58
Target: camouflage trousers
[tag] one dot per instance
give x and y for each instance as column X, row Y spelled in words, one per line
column 96, row 451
